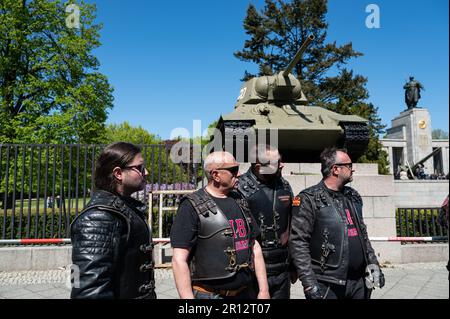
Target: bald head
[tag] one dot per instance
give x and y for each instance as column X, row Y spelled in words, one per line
column 217, row 160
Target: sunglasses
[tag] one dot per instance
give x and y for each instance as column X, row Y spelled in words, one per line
column 234, row 170
column 140, row 168
column 348, row 165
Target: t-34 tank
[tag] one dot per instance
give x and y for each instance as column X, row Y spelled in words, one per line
column 277, row 102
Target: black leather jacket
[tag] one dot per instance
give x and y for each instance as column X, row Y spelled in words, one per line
column 318, row 241
column 112, row 249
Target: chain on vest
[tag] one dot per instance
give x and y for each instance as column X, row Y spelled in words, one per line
column 272, row 215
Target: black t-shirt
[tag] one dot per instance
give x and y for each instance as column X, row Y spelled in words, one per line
column 356, row 254
column 185, row 229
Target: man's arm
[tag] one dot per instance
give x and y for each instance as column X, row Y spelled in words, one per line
column 181, row 272
column 95, row 239
column 260, row 271
column 302, row 225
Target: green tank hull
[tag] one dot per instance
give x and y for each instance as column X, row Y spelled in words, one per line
column 276, row 103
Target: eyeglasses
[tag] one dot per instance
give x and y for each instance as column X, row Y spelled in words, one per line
column 234, row 170
column 139, row 168
column 348, row 165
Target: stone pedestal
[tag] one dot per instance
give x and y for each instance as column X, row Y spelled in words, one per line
column 414, row 126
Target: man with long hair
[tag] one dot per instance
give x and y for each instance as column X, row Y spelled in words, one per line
column 111, row 240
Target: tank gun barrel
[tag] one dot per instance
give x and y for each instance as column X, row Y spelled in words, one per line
column 298, row 55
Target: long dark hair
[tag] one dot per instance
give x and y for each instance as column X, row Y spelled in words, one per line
column 118, row 154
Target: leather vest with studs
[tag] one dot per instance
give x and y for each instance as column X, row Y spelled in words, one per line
column 214, row 256
column 271, row 207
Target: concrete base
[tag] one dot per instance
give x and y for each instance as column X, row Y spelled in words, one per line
column 46, row 258
column 388, row 252
column 419, row 193
column 34, row 258
column 417, row 253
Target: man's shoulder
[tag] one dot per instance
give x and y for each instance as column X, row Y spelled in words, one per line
column 352, row 193
column 312, row 190
column 247, row 185
column 199, row 194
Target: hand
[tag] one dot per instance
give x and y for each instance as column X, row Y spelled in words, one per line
column 263, row 294
column 381, row 281
column 314, row 293
column 374, row 277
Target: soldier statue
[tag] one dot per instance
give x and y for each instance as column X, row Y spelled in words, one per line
column 412, row 92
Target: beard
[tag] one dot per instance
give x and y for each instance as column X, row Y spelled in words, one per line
column 347, row 180
column 138, row 186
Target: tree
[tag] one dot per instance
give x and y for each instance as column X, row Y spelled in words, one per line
column 156, row 152
column 50, row 87
column 277, row 32
column 439, row 134
column 124, row 132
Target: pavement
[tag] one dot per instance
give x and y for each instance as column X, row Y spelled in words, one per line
column 403, row 281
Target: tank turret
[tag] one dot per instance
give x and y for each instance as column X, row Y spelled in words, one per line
column 277, row 103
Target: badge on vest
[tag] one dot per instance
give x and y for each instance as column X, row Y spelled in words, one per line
column 296, row 201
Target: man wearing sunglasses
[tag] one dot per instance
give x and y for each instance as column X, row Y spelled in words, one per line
column 111, row 239
column 215, row 251
column 270, row 199
column 329, row 244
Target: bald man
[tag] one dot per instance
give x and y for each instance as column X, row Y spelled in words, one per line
column 216, row 254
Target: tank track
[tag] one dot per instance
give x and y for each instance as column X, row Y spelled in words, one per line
column 355, row 139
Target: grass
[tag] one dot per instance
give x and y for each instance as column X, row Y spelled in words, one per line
column 34, row 209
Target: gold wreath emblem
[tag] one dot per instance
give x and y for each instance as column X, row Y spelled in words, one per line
column 422, row 124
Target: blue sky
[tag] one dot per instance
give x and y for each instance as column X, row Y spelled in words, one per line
column 171, row 62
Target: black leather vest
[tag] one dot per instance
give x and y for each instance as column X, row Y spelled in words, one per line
column 329, row 244
column 136, row 265
column 272, row 215
column 214, row 256
column 328, row 237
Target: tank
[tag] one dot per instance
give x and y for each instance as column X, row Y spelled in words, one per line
column 277, row 103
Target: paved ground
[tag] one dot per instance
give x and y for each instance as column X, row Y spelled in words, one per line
column 403, row 281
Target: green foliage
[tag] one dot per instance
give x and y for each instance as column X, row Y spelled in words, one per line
column 414, row 221
column 57, row 225
column 22, row 166
column 50, row 87
column 124, row 132
column 156, row 152
column 439, row 134
column 277, row 32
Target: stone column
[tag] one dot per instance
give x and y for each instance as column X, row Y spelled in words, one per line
column 417, row 129
column 391, row 161
column 445, row 159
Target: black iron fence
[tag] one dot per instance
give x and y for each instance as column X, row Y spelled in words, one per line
column 418, row 222
column 44, row 187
